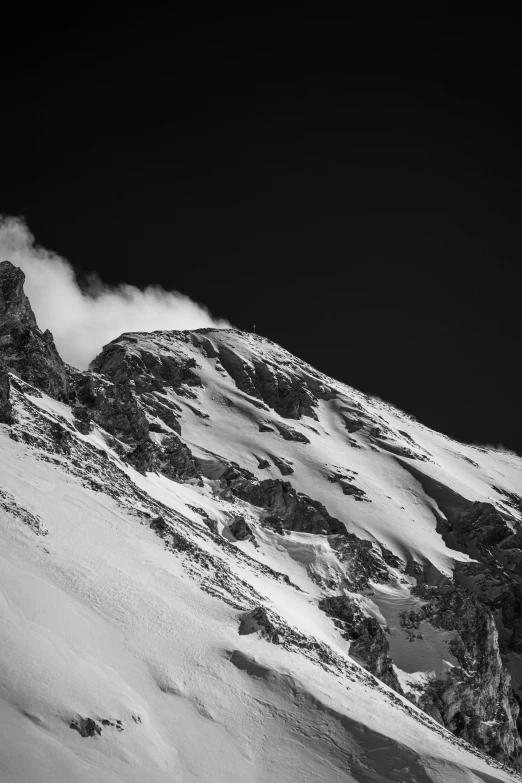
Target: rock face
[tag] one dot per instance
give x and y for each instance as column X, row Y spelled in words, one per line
column 288, row 396
column 26, row 350
column 113, row 406
column 295, row 509
column 6, row 409
column 241, row 530
column 147, row 371
column 172, row 458
column 368, row 643
column 474, row 700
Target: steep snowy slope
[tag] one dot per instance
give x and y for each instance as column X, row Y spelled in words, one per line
column 217, row 564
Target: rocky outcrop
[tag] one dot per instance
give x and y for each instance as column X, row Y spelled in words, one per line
column 348, row 486
column 86, row 727
column 259, row 621
column 113, row 406
column 241, row 530
column 295, row 509
column 283, row 465
column 172, row 458
column 368, row 643
column 289, row 433
column 287, row 394
column 474, row 699
column 6, row 409
column 124, row 362
column 25, row 349
column 483, row 524
column 362, row 561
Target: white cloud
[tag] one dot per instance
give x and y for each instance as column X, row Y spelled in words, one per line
column 82, row 321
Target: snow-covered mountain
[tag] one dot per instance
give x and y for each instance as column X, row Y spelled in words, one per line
column 218, row 564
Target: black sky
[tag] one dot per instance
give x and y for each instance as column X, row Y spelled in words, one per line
column 350, row 185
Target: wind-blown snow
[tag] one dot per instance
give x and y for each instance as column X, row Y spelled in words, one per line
column 82, row 320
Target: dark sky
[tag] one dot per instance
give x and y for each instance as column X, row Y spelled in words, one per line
column 350, row 185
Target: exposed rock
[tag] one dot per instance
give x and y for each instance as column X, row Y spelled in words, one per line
column 25, row 349
column 123, row 362
column 159, row 525
column 113, row 406
column 287, row 394
column 61, row 437
column 368, row 642
column 347, row 486
column 351, row 423
column 86, row 727
column 510, row 498
column 284, row 467
column 483, row 523
column 82, row 419
column 165, row 409
column 173, row 458
column 258, row 621
column 273, row 523
column 211, row 524
column 288, row 433
column 241, row 530
column 474, row 700
column 9, row 505
column 295, row 509
column 363, row 561
column 6, row 409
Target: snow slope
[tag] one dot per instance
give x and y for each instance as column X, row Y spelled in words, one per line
column 104, row 619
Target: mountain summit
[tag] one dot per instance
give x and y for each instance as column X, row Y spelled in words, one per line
column 218, row 564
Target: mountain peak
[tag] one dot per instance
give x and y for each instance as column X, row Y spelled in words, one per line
column 14, row 304
column 238, row 541
column 26, row 350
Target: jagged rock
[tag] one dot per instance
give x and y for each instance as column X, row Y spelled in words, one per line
column 351, row 423
column 212, row 525
column 26, row 350
column 86, row 727
column 159, row 525
column 173, row 458
column 273, row 523
column 123, row 362
column 474, row 700
column 82, row 419
column 363, row 561
column 347, row 486
column 61, row 436
column 258, row 621
column 296, row 510
column 288, row 395
column 368, row 642
column 509, row 498
column 284, row 467
column 165, row 409
column 241, row 530
column 288, row 433
column 6, row 409
column 484, row 523
column 113, row 406
column 173, row 539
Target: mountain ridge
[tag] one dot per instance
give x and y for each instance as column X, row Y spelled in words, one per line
column 341, row 533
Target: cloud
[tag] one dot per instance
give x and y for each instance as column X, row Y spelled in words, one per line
column 83, row 320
